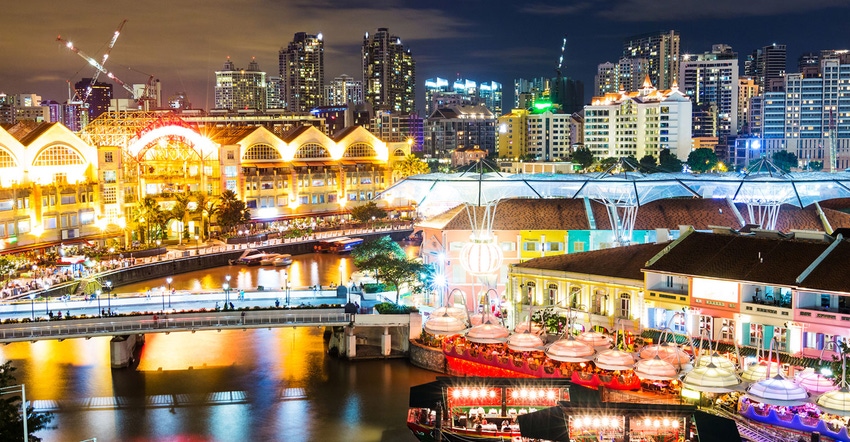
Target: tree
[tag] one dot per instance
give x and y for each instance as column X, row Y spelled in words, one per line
column 816, row 165
column 606, row 163
column 668, row 162
column 11, row 420
column 150, row 216
column 410, row 165
column 383, row 245
column 205, row 207
column 367, row 211
column 702, row 160
column 583, row 157
column 180, row 212
column 648, row 163
column 784, row 160
column 231, row 211
column 387, row 260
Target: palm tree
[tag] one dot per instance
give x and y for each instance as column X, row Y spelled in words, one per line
column 180, row 212
column 150, row 214
column 231, row 211
column 205, row 207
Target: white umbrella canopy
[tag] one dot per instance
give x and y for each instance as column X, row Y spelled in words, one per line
column 758, row 372
column 655, row 369
column 444, row 325
column 570, row 350
column 523, row 327
column 525, row 341
column 836, row 401
column 813, row 382
column 481, row 318
column 614, row 359
column 717, row 360
column 488, row 334
column 597, row 340
column 778, row 391
column 457, row 312
column 711, row 379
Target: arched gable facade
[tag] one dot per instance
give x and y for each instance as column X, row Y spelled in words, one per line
column 58, row 155
column 353, row 144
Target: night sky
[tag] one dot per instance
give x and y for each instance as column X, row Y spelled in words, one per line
column 182, row 42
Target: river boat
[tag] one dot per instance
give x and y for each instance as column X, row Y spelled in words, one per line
column 283, row 260
column 485, row 409
column 326, row 244
column 269, row 259
column 346, row 245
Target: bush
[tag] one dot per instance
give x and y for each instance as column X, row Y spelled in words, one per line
column 390, row 308
column 378, row 287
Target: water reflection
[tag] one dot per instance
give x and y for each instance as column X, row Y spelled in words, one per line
column 264, row 385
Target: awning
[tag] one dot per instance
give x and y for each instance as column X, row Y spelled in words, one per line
column 711, row 427
column 548, row 424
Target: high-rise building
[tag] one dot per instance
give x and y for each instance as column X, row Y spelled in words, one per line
column 389, row 73
column 526, row 92
column 237, row 89
column 274, row 88
column 766, row 64
column 747, row 89
column 302, row 72
column 605, row 81
column 539, row 133
column 97, row 96
column 394, row 127
column 453, row 127
column 661, row 51
column 639, row 123
column 711, row 79
column 626, row 75
column 807, row 119
column 344, row 90
column 439, row 93
column 491, row 94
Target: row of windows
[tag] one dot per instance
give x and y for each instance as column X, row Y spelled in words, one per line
column 66, row 198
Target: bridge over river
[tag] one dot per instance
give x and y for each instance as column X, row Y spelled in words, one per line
column 389, row 332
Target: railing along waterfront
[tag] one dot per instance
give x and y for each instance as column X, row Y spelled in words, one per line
column 112, row 326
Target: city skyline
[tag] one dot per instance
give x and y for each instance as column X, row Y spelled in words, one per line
column 182, row 44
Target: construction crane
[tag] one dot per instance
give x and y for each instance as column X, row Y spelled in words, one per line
column 109, row 47
column 561, row 58
column 558, row 92
column 99, row 65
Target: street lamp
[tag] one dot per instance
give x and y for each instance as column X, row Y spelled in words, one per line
column 168, row 280
column 108, row 290
column 197, row 244
column 14, row 389
column 286, row 285
column 32, row 304
column 226, row 291
column 97, row 295
column 341, row 270
column 163, row 299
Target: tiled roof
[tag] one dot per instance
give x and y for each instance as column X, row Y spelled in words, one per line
column 342, row 133
column 836, row 219
column 227, row 136
column 695, row 212
column 529, row 214
column 842, row 204
column 442, row 220
column 794, row 218
column 618, row 262
column 737, row 257
column 831, row 273
column 32, row 133
column 294, row 133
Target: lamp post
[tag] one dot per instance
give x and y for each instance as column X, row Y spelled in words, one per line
column 341, row 270
column 163, row 299
column 168, row 280
column 99, row 311
column 108, row 290
column 197, row 244
column 14, row 389
column 32, row 304
column 226, row 291
column 286, row 286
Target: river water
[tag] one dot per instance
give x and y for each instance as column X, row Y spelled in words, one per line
column 257, row 385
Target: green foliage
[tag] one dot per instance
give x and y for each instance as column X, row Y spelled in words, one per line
column 382, row 245
column 389, row 308
column 583, row 157
column 784, row 160
column 231, row 211
column 410, row 165
column 702, row 160
column 11, row 420
column 605, row 163
column 387, row 260
column 668, row 162
column 367, row 211
column 648, row 163
column 816, row 165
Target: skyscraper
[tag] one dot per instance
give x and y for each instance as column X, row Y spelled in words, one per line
column 302, row 72
column 766, row 64
column 97, row 99
column 712, row 79
column 389, row 73
column 344, row 90
column 240, row 88
column 661, row 51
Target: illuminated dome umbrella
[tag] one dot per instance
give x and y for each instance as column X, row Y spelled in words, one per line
column 758, row 372
column 837, row 401
column 484, row 317
column 614, row 359
column 669, row 353
column 776, row 390
column 447, row 320
column 711, row 379
column 525, row 340
column 716, row 360
column 813, row 382
column 656, row 369
column 597, row 340
column 523, row 327
column 569, row 350
column 488, row 334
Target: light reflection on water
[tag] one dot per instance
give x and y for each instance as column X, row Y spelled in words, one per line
column 250, row 374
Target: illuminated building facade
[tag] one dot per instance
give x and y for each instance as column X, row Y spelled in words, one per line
column 240, row 88
column 538, row 133
column 343, row 90
column 96, row 96
column 393, row 127
column 57, row 185
column 451, row 127
column 766, row 64
column 639, row 123
column 302, row 72
column 711, row 79
column 389, row 73
column 661, row 51
column 747, row 89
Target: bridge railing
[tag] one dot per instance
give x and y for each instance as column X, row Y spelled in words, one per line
column 166, row 323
